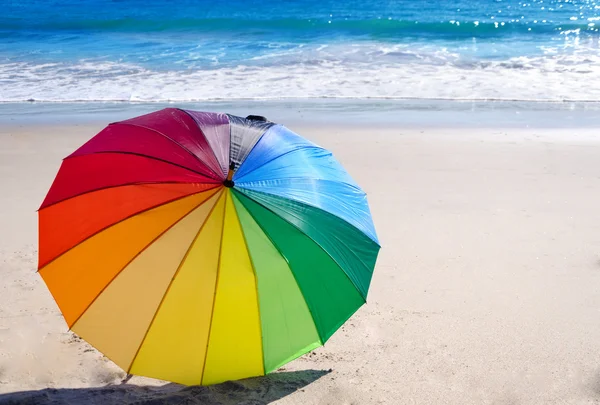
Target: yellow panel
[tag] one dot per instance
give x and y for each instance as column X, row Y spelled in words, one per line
column 78, row 276
column 175, row 345
column 235, row 347
column 118, row 319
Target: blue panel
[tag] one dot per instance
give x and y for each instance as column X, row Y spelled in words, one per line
column 284, row 164
column 284, row 155
column 275, row 142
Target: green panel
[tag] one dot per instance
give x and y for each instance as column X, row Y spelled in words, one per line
column 288, row 330
column 329, row 293
column 351, row 249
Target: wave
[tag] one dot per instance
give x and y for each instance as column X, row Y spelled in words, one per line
column 371, row 27
column 572, row 77
column 374, row 98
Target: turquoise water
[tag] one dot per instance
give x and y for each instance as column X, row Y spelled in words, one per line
column 159, row 51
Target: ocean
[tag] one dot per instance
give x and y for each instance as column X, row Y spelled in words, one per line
column 194, row 51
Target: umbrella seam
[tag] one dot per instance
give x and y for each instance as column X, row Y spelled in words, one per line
column 137, row 183
column 320, row 343
column 255, row 288
column 355, row 186
column 255, row 143
column 204, row 135
column 280, row 179
column 125, row 219
column 255, row 189
column 212, row 311
column 120, row 152
column 173, row 278
column 277, row 157
column 171, row 139
column 315, row 242
column 333, row 235
column 286, row 260
column 319, row 245
column 282, row 155
column 130, row 261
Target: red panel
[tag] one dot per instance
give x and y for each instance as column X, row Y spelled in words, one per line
column 181, row 128
column 87, row 173
column 142, row 141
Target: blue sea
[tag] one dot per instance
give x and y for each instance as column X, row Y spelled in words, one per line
column 202, row 50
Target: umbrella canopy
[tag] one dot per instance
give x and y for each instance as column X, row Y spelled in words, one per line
column 201, row 247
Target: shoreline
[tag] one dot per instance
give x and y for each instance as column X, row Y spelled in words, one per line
column 372, row 113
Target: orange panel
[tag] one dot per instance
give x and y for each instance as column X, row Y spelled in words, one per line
column 76, row 278
column 119, row 318
column 68, row 223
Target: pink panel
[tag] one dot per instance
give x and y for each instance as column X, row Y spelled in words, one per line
column 216, row 128
column 142, row 141
column 181, row 128
column 78, row 175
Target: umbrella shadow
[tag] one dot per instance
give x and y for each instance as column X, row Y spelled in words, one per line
column 251, row 391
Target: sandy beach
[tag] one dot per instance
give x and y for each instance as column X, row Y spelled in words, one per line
column 486, row 291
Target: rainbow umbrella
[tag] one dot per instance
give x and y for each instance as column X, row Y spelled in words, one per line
column 200, row 247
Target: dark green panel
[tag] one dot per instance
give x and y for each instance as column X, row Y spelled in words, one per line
column 351, row 249
column 329, row 293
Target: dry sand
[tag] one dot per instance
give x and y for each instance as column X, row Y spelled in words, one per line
column 487, row 289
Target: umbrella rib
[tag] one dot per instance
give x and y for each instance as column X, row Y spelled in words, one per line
column 173, row 279
column 256, row 289
column 124, row 219
column 267, row 128
column 135, row 183
column 336, row 238
column 132, row 259
column 315, row 242
column 284, row 258
column 371, row 241
column 354, row 186
column 245, row 186
column 119, row 152
column 172, row 140
column 212, row 311
column 205, row 138
column 275, row 158
column 254, row 145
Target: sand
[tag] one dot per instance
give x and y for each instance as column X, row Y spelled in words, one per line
column 487, row 288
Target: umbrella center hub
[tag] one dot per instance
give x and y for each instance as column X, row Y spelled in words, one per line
column 228, row 182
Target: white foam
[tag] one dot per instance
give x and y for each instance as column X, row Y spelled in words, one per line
column 376, row 72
